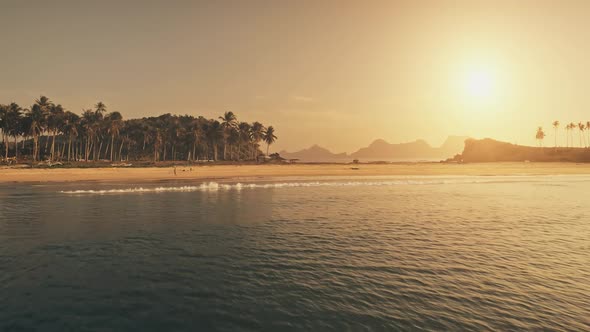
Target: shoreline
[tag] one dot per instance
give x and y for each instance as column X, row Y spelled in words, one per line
column 265, row 171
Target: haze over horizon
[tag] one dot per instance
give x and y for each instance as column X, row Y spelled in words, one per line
column 323, row 73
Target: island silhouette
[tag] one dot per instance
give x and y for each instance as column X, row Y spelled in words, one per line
column 380, row 149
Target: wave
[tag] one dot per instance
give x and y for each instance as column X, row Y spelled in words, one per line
column 214, row 186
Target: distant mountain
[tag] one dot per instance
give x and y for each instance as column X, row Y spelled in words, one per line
column 382, row 150
column 418, row 149
column 314, row 153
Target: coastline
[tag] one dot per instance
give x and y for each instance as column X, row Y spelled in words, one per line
column 258, row 172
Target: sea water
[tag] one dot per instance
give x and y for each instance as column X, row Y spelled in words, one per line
column 397, row 253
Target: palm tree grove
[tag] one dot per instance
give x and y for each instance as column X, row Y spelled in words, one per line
column 570, row 133
column 47, row 132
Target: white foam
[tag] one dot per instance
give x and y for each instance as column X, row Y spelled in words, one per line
column 214, row 186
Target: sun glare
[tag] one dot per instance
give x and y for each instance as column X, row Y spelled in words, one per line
column 479, row 83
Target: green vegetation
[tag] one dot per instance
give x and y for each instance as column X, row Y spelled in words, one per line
column 46, row 131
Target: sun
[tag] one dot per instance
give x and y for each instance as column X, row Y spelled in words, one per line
column 479, row 83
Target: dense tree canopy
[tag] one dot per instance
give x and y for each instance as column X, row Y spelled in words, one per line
column 47, row 131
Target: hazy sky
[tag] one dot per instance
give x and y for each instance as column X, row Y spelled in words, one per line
column 337, row 73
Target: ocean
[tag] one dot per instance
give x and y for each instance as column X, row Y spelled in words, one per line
column 431, row 253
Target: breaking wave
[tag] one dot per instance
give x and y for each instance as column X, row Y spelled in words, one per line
column 214, row 186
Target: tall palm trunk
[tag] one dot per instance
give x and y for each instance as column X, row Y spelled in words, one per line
column 121, row 151
column 46, row 141
column 5, row 140
column 89, row 149
column 52, row 156
column 194, row 150
column 97, row 153
column 112, row 145
column 70, row 148
column 35, row 147
column 86, row 148
column 92, row 150
column 62, row 152
column 128, row 150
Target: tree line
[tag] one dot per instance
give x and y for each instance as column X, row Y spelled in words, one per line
column 46, row 131
column 570, row 130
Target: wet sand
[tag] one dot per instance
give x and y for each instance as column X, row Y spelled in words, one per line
column 253, row 172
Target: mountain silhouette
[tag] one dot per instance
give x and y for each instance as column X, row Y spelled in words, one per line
column 314, row 153
column 382, row 150
column 490, row 150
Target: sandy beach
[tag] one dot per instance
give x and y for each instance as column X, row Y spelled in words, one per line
column 254, row 172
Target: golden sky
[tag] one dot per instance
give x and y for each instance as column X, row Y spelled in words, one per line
column 336, row 73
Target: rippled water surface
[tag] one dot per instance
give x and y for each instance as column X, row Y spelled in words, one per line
column 430, row 253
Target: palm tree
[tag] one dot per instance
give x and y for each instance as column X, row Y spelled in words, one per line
column 256, row 135
column 569, row 134
column 233, row 140
column 214, row 132
column 87, row 136
column 36, row 119
column 71, row 121
column 24, row 128
column 556, row 126
column 164, row 123
column 228, row 122
column 244, row 136
column 46, row 106
column 54, row 122
column 4, row 125
column 197, row 135
column 41, row 112
column 176, row 132
column 114, row 123
column 581, row 127
column 13, row 120
column 124, row 139
column 572, row 128
column 158, row 142
column 100, row 108
column 269, row 137
column 540, row 135
column 87, row 124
